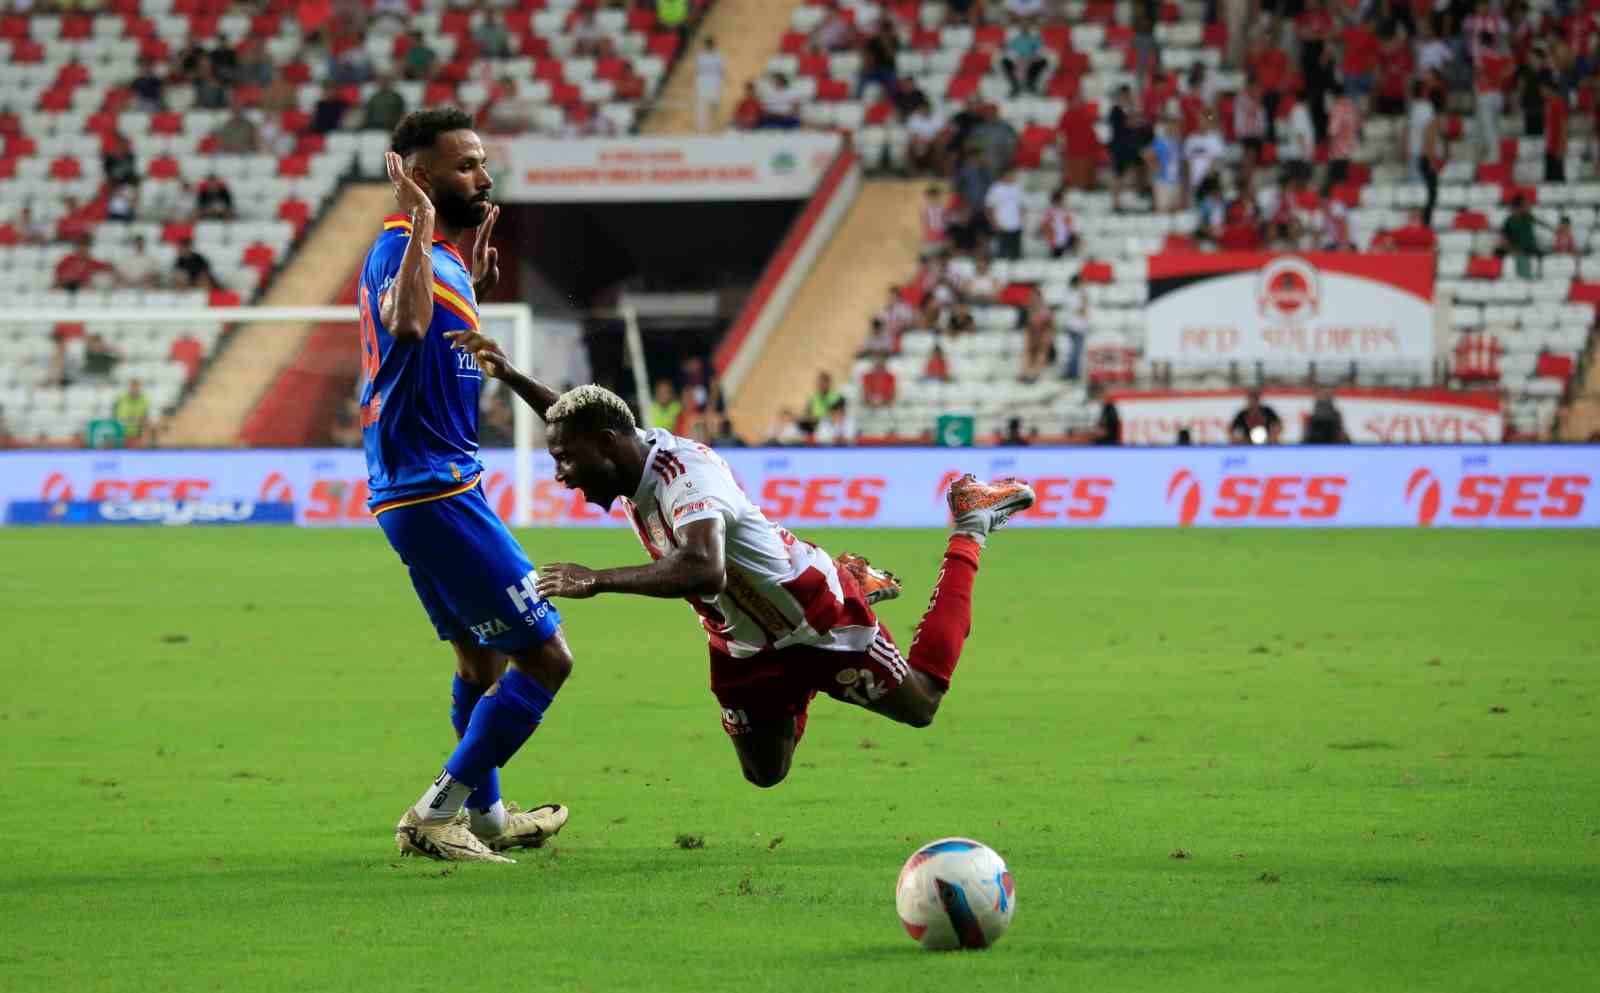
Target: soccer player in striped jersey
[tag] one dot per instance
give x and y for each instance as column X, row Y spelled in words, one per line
column 419, row 421
column 785, row 620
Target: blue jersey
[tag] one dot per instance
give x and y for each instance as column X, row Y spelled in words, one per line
column 419, row 400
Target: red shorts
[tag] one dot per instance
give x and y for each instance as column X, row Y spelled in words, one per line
column 772, row 686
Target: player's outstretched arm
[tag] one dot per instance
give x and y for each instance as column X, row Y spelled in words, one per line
column 694, row 568
column 407, row 308
column 486, row 352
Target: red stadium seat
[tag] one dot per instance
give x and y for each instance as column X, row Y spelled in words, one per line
column 1554, row 366
column 310, row 144
column 990, row 35
column 296, row 212
column 66, row 167
column 439, row 92
column 1470, row 220
column 76, row 28
column 291, row 166
column 295, row 119
column 259, row 256
column 793, row 42
column 814, row 64
column 976, row 62
column 1584, row 292
column 1511, row 191
column 177, row 232
column 1494, row 172
column 154, row 49
column 163, row 167
column 549, row 70
column 1015, row 294
column 166, row 122
column 833, row 90
column 610, row 69
column 665, row 44
column 962, row 87
column 27, row 52
column 224, row 298
column 190, row 352
column 1484, row 267
column 645, row 20
column 1096, row 272
column 55, row 100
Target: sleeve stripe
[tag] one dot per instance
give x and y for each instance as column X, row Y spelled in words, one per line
column 447, row 298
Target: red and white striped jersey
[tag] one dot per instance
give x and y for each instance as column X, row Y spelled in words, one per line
column 781, row 591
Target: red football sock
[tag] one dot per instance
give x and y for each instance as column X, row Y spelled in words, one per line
column 936, row 648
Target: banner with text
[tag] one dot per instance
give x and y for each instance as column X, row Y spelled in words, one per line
column 1387, row 417
column 1364, row 486
column 771, row 165
column 1318, row 307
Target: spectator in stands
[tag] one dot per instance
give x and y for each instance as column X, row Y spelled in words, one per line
column 1249, row 128
column 1108, row 427
column 588, row 36
column 118, row 161
column 489, row 31
column 724, row 436
column 1564, row 243
column 384, row 107
column 1013, row 436
column 935, row 218
column 1268, row 63
column 1531, row 76
column 1491, row 71
column 923, row 128
column 99, row 358
column 1201, row 153
column 822, row 398
column 1316, row 32
column 1344, row 136
column 878, row 52
column 190, row 269
column 148, row 88
column 346, row 429
column 1038, row 337
column 786, row 429
column 1425, row 145
column 1301, row 147
column 353, row 66
column 29, row 230
column 993, row 140
column 1025, row 60
column 122, row 203
column 1127, row 145
column 1256, row 423
column 1325, row 426
column 665, row 406
column 1164, row 160
column 79, row 268
column 329, row 113
column 1336, row 226
column 1556, row 133
column 420, row 59
column 1396, row 64
column 238, row 135
column 1415, row 235
column 708, row 75
column 1146, row 50
column 136, row 268
column 1074, row 324
column 213, row 201
column 780, row 105
column 1484, row 28
column 1210, row 211
column 878, row 385
column 1002, row 205
column 836, row 32
column 1080, row 145
column 879, row 341
column 1358, row 65
column 132, row 411
column 748, row 112
column 937, row 368
column 957, row 320
column 254, row 67
column 971, row 183
column 897, row 315
column 210, row 92
column 968, row 12
column 1519, row 237
column 983, row 286
column 838, row 428
column 1057, row 228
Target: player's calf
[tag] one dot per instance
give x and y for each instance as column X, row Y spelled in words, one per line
column 914, row 702
column 766, row 751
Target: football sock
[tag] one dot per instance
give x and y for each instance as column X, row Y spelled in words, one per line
column 492, row 821
column 464, row 697
column 443, row 799
column 503, row 719
column 936, row 647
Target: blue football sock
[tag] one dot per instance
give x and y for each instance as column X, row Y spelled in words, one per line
column 501, row 722
column 464, row 697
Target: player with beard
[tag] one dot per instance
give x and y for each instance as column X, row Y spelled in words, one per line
column 419, row 421
column 785, row 620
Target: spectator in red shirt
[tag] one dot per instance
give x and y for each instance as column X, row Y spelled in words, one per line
column 1396, row 63
column 1344, row 134
column 1080, row 145
column 77, row 268
column 937, row 368
column 1270, row 64
column 1556, row 116
column 1195, row 101
column 747, row 115
column 1491, row 73
column 877, row 386
column 1360, row 63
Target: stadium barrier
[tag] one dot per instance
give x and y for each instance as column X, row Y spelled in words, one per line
column 1358, row 486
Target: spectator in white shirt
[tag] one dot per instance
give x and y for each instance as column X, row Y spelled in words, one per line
column 1003, row 205
column 983, row 287
column 708, row 74
column 138, row 269
column 1300, row 139
column 779, row 104
column 1202, row 150
column 1056, row 226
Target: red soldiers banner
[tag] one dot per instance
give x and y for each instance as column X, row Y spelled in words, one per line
column 1251, row 306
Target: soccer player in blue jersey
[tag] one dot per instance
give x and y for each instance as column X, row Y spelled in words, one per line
column 419, row 420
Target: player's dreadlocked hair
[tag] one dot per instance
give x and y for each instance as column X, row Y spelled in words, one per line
column 589, row 409
column 421, row 128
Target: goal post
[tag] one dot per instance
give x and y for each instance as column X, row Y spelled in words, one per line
column 510, row 323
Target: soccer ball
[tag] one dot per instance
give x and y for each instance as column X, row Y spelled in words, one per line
column 955, row 893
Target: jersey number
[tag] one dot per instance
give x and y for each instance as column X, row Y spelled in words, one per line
column 369, row 340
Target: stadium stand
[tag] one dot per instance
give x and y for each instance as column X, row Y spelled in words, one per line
column 171, row 153
column 1518, row 324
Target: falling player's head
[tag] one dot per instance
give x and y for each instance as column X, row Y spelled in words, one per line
column 591, row 437
column 445, row 156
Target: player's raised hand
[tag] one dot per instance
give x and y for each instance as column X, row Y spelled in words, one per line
column 406, row 191
column 485, row 351
column 564, row 579
column 485, row 257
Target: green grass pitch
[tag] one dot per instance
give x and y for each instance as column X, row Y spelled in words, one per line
column 1306, row 761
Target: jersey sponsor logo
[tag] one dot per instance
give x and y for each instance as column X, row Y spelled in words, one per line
column 1495, row 497
column 525, row 597
column 489, row 628
column 824, row 498
column 758, row 608
column 1257, row 498
column 686, row 509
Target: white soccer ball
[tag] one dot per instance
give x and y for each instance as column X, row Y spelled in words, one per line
column 955, row 893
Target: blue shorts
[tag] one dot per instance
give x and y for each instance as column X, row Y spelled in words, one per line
column 472, row 577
